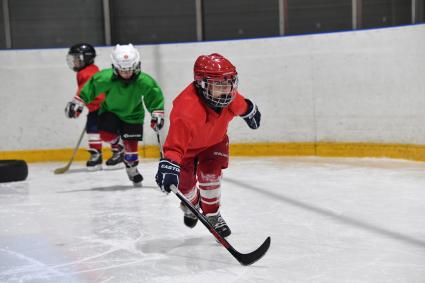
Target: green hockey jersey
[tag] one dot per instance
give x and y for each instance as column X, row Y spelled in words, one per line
column 124, row 99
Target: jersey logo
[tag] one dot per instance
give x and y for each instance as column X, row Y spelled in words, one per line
column 220, row 154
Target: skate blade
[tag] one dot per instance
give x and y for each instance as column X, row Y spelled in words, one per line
column 114, row 167
column 137, row 185
column 94, row 168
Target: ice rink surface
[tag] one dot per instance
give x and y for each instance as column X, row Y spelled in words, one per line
column 330, row 220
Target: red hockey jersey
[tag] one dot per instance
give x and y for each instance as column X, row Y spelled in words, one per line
column 195, row 126
column 82, row 77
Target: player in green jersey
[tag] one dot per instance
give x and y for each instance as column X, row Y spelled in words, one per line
column 128, row 91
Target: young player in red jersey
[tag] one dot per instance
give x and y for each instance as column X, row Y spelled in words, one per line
column 80, row 58
column 196, row 149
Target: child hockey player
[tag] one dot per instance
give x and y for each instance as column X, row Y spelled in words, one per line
column 196, row 149
column 127, row 92
column 80, row 58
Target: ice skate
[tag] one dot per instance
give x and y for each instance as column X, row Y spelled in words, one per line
column 219, row 224
column 117, row 156
column 189, row 218
column 95, row 161
column 134, row 175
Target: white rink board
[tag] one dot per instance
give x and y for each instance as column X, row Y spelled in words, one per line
column 360, row 86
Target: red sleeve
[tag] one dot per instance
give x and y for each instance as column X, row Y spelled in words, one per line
column 178, row 139
column 238, row 106
column 84, row 75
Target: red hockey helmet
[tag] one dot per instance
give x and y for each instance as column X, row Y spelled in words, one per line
column 217, row 79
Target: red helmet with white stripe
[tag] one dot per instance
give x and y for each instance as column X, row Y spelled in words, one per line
column 216, row 78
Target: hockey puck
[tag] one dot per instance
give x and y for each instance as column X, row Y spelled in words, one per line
column 13, row 170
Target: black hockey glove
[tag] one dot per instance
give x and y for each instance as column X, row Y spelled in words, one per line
column 157, row 120
column 167, row 175
column 74, row 108
column 252, row 116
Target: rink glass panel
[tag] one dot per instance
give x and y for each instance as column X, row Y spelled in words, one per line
column 2, row 35
column 312, row 16
column 59, row 23
column 382, row 13
column 420, row 11
column 240, row 19
column 152, row 21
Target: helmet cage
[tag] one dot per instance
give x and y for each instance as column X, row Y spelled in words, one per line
column 119, row 72
column 75, row 61
column 80, row 56
column 135, row 68
column 219, row 92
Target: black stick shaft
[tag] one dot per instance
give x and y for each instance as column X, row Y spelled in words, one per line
column 159, row 143
column 244, row 259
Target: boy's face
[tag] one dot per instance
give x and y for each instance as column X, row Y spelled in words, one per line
column 125, row 74
column 219, row 88
column 74, row 62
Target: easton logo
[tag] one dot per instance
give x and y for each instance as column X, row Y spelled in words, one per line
column 131, row 136
column 170, row 167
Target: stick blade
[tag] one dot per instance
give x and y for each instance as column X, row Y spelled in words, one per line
column 250, row 258
column 61, row 170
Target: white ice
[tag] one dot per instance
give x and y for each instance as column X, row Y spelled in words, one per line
column 330, row 220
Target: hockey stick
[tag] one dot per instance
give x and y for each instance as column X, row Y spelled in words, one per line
column 159, row 142
column 74, row 153
column 244, row 259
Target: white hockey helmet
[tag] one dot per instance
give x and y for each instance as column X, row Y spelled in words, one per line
column 125, row 58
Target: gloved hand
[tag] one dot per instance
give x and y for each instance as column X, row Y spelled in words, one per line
column 252, row 116
column 74, row 108
column 157, row 120
column 167, row 175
